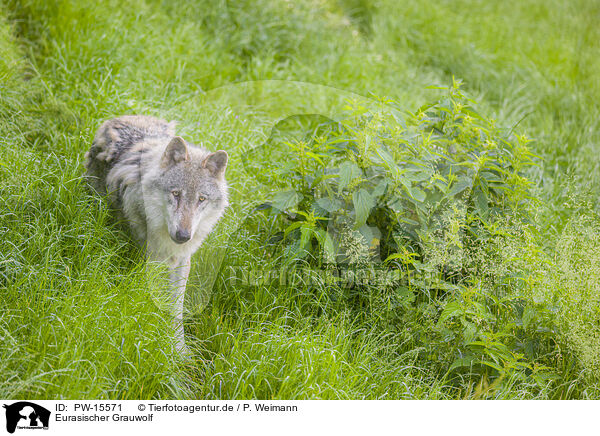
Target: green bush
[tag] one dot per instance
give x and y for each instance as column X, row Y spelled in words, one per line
column 439, row 196
column 409, row 184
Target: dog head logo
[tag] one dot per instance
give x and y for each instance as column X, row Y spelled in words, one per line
column 26, row 415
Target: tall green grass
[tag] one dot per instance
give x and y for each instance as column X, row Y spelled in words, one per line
column 80, row 313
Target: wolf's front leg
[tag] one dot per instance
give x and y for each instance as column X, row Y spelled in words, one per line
column 179, row 273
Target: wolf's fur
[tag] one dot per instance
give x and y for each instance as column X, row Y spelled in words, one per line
column 157, row 182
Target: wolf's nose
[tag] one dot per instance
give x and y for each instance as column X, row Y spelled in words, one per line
column 182, row 236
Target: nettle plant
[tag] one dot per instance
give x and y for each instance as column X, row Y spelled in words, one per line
column 387, row 186
column 430, row 194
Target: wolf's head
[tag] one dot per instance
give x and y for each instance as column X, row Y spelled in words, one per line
column 192, row 188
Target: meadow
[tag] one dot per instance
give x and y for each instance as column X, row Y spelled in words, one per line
column 413, row 104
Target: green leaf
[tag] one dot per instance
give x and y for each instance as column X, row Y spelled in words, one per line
column 420, row 175
column 286, row 200
column 451, row 309
column 418, row 194
column 460, row 185
column 490, row 177
column 348, row 172
column 386, row 157
column 363, row 203
column 380, row 188
column 406, row 294
column 329, row 204
column 396, row 205
column 293, row 227
column 316, row 157
column 461, row 363
column 414, row 192
column 409, row 221
column 406, row 257
column 306, row 233
column 481, row 202
column 493, row 365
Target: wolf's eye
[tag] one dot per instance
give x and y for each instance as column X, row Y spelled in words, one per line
column 175, row 193
column 201, row 199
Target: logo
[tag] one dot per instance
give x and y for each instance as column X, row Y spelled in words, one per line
column 26, row 415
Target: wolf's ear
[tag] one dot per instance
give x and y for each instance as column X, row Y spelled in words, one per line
column 175, row 152
column 216, row 163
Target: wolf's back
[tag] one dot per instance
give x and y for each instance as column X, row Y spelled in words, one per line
column 113, row 143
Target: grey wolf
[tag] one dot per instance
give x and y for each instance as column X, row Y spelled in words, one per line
column 170, row 192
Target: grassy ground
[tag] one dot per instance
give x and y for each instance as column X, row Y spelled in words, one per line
column 81, row 315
